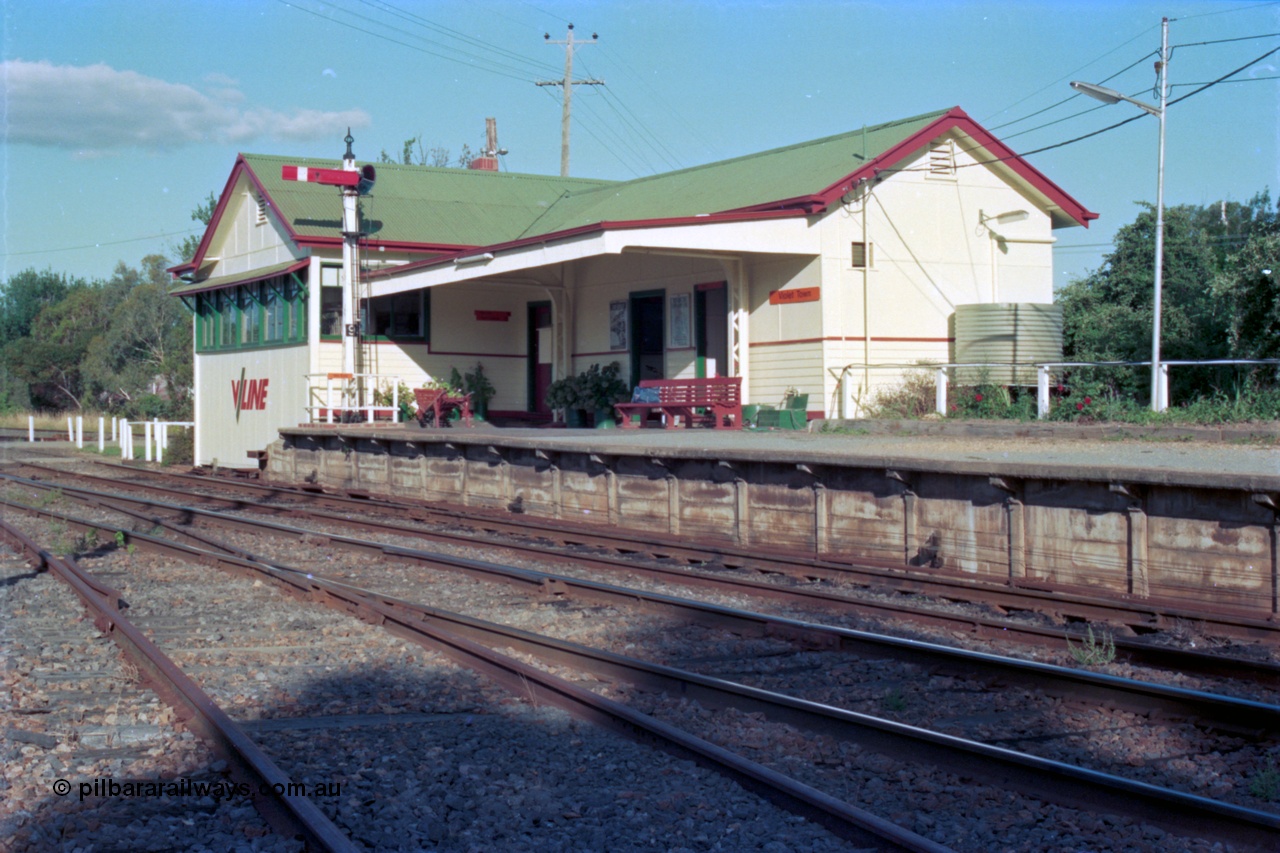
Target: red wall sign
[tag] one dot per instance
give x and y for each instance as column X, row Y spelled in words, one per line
column 249, row 394
column 493, row 316
column 797, row 294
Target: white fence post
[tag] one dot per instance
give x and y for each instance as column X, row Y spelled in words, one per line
column 126, row 450
column 80, row 432
column 1042, row 391
column 115, row 427
column 31, row 428
column 940, row 392
column 71, row 429
column 161, row 429
column 102, row 438
column 146, row 441
column 1164, row 386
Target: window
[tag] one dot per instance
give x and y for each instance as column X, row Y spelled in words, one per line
column 400, row 315
column 265, row 313
column 861, row 256
column 276, row 310
column 330, row 301
column 250, row 314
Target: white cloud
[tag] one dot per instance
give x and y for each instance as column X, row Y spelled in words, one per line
column 96, row 109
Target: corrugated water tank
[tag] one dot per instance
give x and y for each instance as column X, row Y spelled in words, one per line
column 1006, row 333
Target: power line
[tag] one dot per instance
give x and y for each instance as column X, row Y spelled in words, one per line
column 486, row 64
column 99, row 244
column 425, row 23
column 1073, row 96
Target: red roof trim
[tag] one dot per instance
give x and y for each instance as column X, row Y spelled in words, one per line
column 596, row 227
column 242, row 166
column 957, row 119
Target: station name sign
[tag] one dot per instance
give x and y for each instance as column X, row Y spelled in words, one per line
column 796, row 294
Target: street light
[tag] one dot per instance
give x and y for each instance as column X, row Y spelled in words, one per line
column 1111, row 96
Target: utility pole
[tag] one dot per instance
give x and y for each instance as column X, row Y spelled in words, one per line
column 567, row 85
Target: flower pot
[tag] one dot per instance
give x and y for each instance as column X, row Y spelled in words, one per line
column 575, row 418
column 604, row 419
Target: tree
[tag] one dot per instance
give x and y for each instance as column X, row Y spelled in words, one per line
column 146, row 348
column 25, row 295
column 1249, row 290
column 50, row 359
column 412, row 153
column 203, row 213
column 1108, row 315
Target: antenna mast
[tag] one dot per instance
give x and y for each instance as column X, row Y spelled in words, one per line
column 567, row 85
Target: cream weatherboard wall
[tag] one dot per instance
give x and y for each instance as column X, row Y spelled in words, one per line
column 249, row 236
column 233, row 418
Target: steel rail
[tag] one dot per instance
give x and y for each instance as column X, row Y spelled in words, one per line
column 466, row 640
column 289, row 814
column 1073, row 685
column 539, row 687
column 1178, row 659
column 1141, row 617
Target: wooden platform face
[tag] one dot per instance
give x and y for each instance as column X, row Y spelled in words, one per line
column 1189, row 527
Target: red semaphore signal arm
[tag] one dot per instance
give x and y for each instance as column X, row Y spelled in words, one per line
column 331, row 177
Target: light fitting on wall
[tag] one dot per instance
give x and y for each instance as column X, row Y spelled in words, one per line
column 984, row 221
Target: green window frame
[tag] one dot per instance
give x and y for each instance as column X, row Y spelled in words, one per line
column 252, row 316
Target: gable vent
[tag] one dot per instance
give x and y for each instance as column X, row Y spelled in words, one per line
column 262, row 210
column 942, row 159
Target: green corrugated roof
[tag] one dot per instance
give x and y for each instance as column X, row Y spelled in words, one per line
column 418, row 204
column 460, row 207
column 756, row 179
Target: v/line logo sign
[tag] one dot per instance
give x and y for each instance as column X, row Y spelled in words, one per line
column 251, row 394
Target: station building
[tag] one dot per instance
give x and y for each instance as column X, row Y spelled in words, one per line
column 806, row 267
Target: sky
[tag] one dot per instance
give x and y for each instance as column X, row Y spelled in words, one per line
column 119, row 117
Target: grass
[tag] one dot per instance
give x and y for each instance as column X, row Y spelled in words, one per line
column 1093, row 651
column 1265, row 784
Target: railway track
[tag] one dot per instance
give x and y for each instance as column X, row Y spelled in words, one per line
column 413, row 590
column 348, row 730
column 704, row 570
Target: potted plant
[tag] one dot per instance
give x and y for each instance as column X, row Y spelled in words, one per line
column 565, row 394
column 432, row 390
column 478, row 386
column 601, row 388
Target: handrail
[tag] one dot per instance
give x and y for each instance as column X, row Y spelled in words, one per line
column 1042, row 374
column 355, row 392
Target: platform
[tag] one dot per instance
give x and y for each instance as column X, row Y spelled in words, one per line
column 1184, row 518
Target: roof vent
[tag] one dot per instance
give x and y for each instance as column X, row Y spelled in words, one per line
column 942, row 159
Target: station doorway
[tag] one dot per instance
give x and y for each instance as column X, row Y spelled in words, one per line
column 648, row 336
column 540, row 355
column 711, row 331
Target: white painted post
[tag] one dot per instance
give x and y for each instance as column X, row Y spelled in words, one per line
column 31, row 428
column 1042, row 391
column 395, row 400
column 102, row 437
column 146, row 441
column 80, row 432
column 940, row 392
column 115, row 429
column 328, row 400
column 1164, row 385
column 161, row 429
column 71, row 430
column 126, row 452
